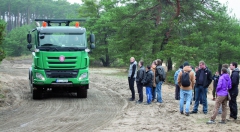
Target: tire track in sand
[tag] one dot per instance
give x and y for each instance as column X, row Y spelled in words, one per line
column 60, row 112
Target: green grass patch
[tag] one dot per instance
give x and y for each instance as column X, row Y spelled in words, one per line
column 202, row 120
column 23, row 57
column 2, row 96
column 117, row 74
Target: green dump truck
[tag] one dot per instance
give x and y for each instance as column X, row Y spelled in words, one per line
column 59, row 57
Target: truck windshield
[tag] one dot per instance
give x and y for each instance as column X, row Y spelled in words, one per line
column 62, row 39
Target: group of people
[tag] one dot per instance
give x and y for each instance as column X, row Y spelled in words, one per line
column 191, row 85
column 152, row 77
column 225, row 88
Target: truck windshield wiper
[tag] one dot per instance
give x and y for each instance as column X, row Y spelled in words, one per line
column 49, row 45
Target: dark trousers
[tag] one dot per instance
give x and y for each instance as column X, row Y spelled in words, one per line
column 153, row 93
column 131, row 86
column 214, row 92
column 140, row 91
column 177, row 92
column 233, row 106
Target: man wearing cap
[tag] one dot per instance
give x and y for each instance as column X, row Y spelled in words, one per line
column 186, row 90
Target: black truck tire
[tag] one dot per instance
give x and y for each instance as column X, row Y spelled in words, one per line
column 37, row 93
column 82, row 92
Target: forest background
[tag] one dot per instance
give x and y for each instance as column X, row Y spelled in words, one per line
column 171, row 30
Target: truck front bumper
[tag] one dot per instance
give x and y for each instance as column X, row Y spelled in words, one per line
column 40, row 78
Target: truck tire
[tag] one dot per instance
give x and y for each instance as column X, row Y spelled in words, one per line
column 82, row 92
column 37, row 93
column 31, row 84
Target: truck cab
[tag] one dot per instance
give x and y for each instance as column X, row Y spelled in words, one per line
column 59, row 58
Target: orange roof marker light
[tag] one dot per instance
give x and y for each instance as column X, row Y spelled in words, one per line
column 44, row 24
column 77, row 24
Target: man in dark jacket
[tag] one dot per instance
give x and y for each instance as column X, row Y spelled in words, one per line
column 148, row 82
column 139, row 78
column 234, row 90
column 203, row 80
column 215, row 82
column 132, row 72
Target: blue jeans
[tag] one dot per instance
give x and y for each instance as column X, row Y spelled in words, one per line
column 200, row 91
column 185, row 94
column 159, row 92
column 149, row 94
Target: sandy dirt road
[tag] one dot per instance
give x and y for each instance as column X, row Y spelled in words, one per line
column 106, row 109
column 56, row 112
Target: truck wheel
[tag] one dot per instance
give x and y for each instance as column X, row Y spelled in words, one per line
column 82, row 92
column 37, row 93
column 31, row 84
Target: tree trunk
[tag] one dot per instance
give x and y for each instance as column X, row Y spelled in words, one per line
column 169, row 64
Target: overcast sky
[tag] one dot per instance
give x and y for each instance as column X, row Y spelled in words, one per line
column 232, row 5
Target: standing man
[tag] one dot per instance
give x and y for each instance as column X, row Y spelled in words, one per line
column 132, row 73
column 148, row 82
column 203, row 80
column 139, row 78
column 160, row 78
column 215, row 83
column 177, row 88
column 234, row 90
column 186, row 80
column 154, row 65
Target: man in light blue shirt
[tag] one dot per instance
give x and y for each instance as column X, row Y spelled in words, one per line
column 177, row 88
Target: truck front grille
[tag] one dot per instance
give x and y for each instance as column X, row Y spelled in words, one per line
column 61, row 73
column 69, row 62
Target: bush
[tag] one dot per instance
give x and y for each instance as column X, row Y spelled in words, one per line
column 170, row 77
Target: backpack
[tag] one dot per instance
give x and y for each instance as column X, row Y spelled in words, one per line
column 185, row 80
column 160, row 73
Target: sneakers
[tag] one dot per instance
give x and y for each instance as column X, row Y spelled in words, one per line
column 187, row 113
column 211, row 122
column 182, row 112
column 138, row 102
column 131, row 99
column 193, row 112
column 222, row 122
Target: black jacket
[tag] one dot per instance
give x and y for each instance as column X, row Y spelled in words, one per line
column 207, row 78
column 140, row 74
column 215, row 80
column 148, row 79
column 235, row 81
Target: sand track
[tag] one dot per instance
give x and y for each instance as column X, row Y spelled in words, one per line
column 56, row 112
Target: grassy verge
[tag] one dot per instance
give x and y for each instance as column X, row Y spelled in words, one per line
column 19, row 58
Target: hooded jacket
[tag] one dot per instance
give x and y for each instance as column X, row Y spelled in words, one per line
column 235, row 81
column 191, row 77
column 223, row 85
column 132, row 72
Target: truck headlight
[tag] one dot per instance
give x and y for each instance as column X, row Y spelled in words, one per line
column 40, row 76
column 83, row 76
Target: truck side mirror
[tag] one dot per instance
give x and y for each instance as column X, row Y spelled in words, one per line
column 92, row 46
column 29, row 38
column 92, row 38
column 29, row 46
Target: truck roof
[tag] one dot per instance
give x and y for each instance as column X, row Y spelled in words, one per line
column 61, row 29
